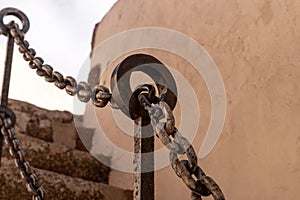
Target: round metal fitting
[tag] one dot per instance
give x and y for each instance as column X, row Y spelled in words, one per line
column 158, row 72
column 17, row 13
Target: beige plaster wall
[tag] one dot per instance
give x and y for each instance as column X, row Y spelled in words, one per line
column 255, row 44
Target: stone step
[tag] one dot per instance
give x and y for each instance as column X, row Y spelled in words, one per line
column 52, row 126
column 36, row 121
column 61, row 159
column 58, row 186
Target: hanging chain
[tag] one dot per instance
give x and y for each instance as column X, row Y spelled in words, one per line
column 100, row 94
column 8, row 132
column 163, row 122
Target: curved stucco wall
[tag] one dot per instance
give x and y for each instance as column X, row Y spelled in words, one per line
column 255, row 45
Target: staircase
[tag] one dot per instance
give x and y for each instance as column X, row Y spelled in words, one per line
column 64, row 167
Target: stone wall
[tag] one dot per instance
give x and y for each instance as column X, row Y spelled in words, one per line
column 255, row 45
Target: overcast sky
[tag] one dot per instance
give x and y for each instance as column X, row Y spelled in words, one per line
column 60, row 32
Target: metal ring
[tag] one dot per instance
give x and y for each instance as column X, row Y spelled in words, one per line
column 120, row 80
column 17, row 13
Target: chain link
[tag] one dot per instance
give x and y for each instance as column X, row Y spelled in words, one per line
column 8, row 132
column 163, row 122
column 100, row 94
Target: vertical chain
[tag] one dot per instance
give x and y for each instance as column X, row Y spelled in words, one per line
column 8, row 132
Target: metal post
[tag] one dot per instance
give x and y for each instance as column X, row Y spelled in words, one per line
column 143, row 159
column 127, row 101
column 6, row 80
column 5, row 30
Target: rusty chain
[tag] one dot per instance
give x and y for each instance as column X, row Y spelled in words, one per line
column 8, row 131
column 163, row 122
column 100, row 94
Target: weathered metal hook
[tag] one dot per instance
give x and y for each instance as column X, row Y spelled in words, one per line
column 17, row 13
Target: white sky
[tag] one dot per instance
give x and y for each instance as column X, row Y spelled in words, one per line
column 61, row 33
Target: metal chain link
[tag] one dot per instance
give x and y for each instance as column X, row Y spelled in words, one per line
column 163, row 122
column 8, row 132
column 100, row 94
